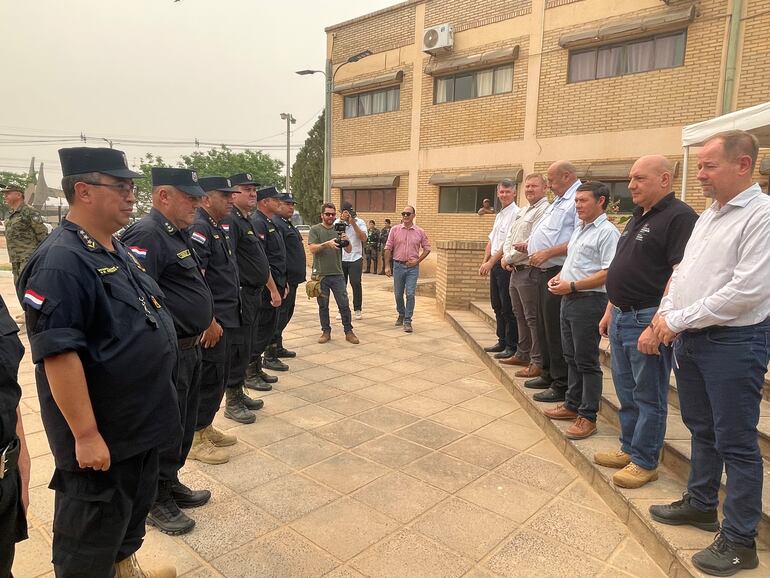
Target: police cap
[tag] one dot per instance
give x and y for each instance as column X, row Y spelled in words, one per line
column 268, row 193
column 81, row 160
column 216, row 184
column 288, row 198
column 243, row 179
column 185, row 180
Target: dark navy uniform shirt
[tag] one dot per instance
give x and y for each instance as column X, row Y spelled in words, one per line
column 253, row 268
column 272, row 242
column 296, row 262
column 11, row 352
column 79, row 297
column 167, row 256
column 212, row 245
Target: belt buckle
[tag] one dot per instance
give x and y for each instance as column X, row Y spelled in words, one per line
column 4, row 462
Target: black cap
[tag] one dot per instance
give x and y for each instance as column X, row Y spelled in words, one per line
column 288, row 198
column 347, row 206
column 81, row 160
column 268, row 193
column 216, row 184
column 243, row 179
column 185, row 180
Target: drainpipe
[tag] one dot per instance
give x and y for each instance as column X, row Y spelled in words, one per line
column 732, row 55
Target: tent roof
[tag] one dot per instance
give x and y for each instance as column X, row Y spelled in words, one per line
column 755, row 120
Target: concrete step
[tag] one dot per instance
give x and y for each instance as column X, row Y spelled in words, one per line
column 671, row 547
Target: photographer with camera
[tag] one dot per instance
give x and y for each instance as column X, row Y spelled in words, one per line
column 353, row 261
column 328, row 242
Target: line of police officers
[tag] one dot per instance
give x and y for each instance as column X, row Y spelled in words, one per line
column 137, row 342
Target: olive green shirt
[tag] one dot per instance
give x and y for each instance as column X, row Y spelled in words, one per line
column 326, row 261
column 24, row 231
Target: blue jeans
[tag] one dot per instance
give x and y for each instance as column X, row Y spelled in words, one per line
column 405, row 278
column 334, row 284
column 641, row 382
column 720, row 372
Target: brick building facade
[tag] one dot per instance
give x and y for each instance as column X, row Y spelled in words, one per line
column 525, row 83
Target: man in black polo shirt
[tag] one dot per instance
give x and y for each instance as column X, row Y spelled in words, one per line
column 651, row 245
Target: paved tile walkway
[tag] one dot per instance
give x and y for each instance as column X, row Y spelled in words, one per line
column 401, row 456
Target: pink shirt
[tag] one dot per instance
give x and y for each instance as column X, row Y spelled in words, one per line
column 405, row 244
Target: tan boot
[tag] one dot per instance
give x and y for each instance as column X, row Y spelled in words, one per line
column 204, row 451
column 618, row 459
column 633, row 476
column 219, row 438
column 129, row 568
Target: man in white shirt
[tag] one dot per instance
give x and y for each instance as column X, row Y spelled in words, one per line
column 716, row 315
column 353, row 262
column 500, row 279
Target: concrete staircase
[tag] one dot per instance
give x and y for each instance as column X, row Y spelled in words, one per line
column 671, row 547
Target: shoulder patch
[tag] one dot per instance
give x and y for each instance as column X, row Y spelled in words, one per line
column 33, row 299
column 226, row 227
column 87, row 240
column 140, row 252
column 199, row 238
column 107, row 270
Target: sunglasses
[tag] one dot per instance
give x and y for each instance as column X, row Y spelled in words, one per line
column 405, row 214
column 329, row 214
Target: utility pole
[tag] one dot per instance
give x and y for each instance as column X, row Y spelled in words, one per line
column 290, row 120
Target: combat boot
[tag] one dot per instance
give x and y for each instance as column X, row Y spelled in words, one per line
column 271, row 360
column 235, row 408
column 166, row 515
column 250, row 404
column 281, row 351
column 203, row 450
column 129, row 568
column 186, row 497
column 219, row 438
column 254, row 371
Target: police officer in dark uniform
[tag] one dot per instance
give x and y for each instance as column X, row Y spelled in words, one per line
column 14, row 457
column 268, row 204
column 212, row 243
column 161, row 244
column 296, row 270
column 105, row 349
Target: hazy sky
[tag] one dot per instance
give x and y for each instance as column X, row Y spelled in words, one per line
column 218, row 70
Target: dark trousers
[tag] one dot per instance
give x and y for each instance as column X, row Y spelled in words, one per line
column 285, row 313
column 549, row 332
column 580, row 316
column 720, row 374
column 372, row 258
column 188, row 381
column 99, row 516
column 214, row 371
column 241, row 337
column 500, row 297
column 351, row 270
column 334, row 284
column 13, row 522
column 264, row 328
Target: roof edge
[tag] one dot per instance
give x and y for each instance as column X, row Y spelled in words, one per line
column 372, row 14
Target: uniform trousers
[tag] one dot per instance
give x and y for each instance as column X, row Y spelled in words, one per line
column 285, row 313
column 99, row 516
column 500, row 298
column 241, row 346
column 188, row 380
column 549, row 332
column 264, row 329
column 214, row 371
column 13, row 522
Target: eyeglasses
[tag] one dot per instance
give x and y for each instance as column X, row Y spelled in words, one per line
column 329, row 214
column 405, row 214
column 122, row 188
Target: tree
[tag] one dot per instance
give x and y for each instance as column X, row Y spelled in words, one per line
column 144, row 186
column 10, row 178
column 223, row 162
column 308, row 173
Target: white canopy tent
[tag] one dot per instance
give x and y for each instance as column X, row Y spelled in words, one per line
column 755, row 120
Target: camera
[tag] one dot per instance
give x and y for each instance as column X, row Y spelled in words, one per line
column 340, row 229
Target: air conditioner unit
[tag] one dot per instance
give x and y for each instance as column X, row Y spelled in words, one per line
column 438, row 38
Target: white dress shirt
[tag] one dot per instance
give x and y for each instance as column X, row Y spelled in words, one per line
column 724, row 276
column 356, row 244
column 520, row 230
column 591, row 249
column 556, row 226
column 503, row 221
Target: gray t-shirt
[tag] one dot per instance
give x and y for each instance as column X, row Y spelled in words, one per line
column 326, row 261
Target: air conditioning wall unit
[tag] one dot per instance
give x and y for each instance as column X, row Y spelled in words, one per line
column 438, row 39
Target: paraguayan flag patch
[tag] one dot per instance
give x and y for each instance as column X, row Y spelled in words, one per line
column 198, row 238
column 138, row 251
column 34, row 300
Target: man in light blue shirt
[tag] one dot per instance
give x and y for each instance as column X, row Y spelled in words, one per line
column 547, row 248
column 581, row 282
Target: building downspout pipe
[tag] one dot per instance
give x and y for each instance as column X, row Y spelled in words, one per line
column 732, row 55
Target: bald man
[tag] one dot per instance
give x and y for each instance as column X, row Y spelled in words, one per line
column 651, row 245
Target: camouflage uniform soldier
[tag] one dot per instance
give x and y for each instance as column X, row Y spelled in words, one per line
column 24, row 229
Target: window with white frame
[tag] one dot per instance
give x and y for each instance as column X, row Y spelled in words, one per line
column 473, row 84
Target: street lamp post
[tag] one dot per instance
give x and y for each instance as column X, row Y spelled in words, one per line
column 329, row 82
column 290, row 120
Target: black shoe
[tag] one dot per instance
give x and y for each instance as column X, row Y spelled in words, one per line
column 497, row 348
column 505, row 353
column 725, row 558
column 234, row 407
column 274, row 364
column 549, row 394
column 283, row 352
column 251, row 404
column 266, row 377
column 259, row 384
column 166, row 515
column 537, row 383
column 187, row 498
column 681, row 513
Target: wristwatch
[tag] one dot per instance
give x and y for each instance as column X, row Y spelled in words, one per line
column 572, row 287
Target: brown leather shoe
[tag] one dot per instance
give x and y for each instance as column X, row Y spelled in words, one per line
column 351, row 338
column 561, row 411
column 513, row 360
column 325, row 336
column 531, row 371
column 581, row 429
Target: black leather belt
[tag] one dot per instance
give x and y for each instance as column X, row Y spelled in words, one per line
column 629, row 308
column 397, row 261
column 188, row 342
column 521, row 267
column 9, row 458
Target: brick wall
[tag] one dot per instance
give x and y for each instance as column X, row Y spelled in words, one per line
column 378, row 33
column 457, row 274
column 681, row 95
column 493, row 118
column 376, row 133
column 402, row 200
column 465, row 14
column 755, row 64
